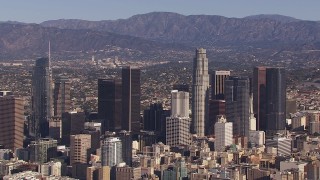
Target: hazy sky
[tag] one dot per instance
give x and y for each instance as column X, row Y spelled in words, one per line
column 41, row 10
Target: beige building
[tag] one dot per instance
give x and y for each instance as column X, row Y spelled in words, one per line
column 79, row 146
column 11, row 120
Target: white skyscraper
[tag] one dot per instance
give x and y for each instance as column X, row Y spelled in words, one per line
column 178, row 124
column 223, row 133
column 179, row 103
column 111, row 151
column 200, row 92
column 252, row 119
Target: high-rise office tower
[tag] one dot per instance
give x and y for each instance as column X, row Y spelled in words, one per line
column 131, row 99
column 200, row 92
column 275, row 99
column 223, row 133
column 61, row 96
column 152, row 117
column 11, row 120
column 41, row 98
column 80, row 145
column 110, row 104
column 111, row 152
column 259, row 96
column 126, row 140
column 179, row 103
column 237, row 104
column 217, row 84
column 178, row 124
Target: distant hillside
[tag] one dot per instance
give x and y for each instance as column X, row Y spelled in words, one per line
column 31, row 40
column 205, row 30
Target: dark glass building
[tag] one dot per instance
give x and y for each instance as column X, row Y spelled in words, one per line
column 275, row 99
column 181, row 87
column 110, row 104
column 42, row 109
column 216, row 107
column 237, row 91
column 152, row 117
column 61, row 96
column 259, row 96
column 131, row 99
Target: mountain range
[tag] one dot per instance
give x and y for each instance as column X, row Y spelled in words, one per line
column 155, row 35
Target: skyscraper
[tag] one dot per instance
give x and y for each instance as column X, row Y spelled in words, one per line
column 111, row 152
column 110, row 104
column 223, row 133
column 259, row 96
column 217, row 84
column 237, row 104
column 131, row 99
column 275, row 99
column 200, row 92
column 61, row 96
column 11, row 120
column 41, row 98
column 178, row 124
column 179, row 103
column 152, row 117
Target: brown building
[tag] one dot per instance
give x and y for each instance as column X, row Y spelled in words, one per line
column 11, row 120
column 259, row 96
column 61, row 96
column 80, row 145
column 216, row 107
column 217, row 84
column 126, row 172
column 258, row 174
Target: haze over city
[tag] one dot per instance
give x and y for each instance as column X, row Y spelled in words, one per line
column 160, row 90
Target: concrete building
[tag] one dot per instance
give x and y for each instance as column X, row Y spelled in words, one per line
column 257, row 138
column 61, row 96
column 43, row 150
column 178, row 124
column 283, row 145
column 51, row 169
column 223, row 133
column 217, row 84
column 42, row 106
column 178, row 131
column 200, row 92
column 11, row 120
column 126, row 172
column 179, row 103
column 79, row 148
column 111, row 152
